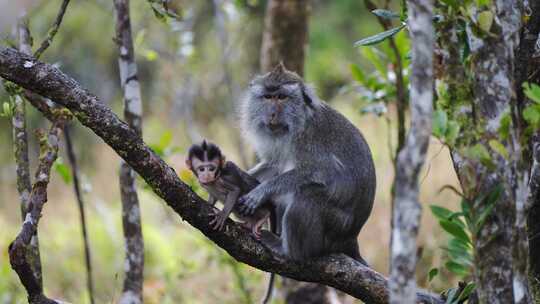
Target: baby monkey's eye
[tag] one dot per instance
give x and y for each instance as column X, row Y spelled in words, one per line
column 212, row 169
column 281, row 97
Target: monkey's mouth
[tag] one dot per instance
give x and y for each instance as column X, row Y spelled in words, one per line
column 277, row 128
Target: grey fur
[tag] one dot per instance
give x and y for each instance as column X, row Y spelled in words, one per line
column 316, row 168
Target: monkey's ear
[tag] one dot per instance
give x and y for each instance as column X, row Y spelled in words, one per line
column 222, row 161
column 188, row 164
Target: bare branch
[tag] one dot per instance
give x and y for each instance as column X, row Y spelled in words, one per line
column 131, row 214
column 78, row 195
column 20, row 144
column 52, row 32
column 38, row 197
column 337, row 271
column 407, row 209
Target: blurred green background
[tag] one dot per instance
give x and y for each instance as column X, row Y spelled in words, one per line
column 186, row 98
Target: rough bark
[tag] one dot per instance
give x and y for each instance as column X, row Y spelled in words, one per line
column 38, row 197
column 131, row 214
column 78, row 195
column 337, row 271
column 528, row 69
column 20, row 145
column 410, row 160
column 493, row 92
column 285, row 34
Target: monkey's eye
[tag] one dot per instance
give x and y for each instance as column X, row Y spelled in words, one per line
column 212, row 168
column 267, row 96
column 201, row 169
column 281, row 97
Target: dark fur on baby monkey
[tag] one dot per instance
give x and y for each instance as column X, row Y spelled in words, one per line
column 225, row 182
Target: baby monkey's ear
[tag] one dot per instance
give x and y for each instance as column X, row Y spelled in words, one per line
column 188, row 164
column 222, row 161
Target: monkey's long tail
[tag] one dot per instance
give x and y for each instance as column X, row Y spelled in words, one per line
column 269, row 289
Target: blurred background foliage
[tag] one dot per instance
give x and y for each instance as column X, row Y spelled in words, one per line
column 191, row 81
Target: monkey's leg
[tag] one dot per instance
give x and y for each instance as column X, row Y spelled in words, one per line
column 303, row 228
column 218, row 222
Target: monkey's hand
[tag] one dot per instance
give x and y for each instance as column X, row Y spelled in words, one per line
column 248, row 203
column 218, row 222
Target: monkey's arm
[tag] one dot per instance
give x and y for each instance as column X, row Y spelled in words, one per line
column 241, row 176
column 263, row 171
column 287, row 182
column 212, row 200
column 232, row 196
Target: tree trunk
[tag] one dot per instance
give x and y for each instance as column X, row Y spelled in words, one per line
column 407, row 209
column 285, row 34
column 131, row 214
column 528, row 69
column 480, row 98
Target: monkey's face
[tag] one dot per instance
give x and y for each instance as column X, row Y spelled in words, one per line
column 276, row 109
column 206, row 171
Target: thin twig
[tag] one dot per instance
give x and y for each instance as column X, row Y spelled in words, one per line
column 78, row 194
column 52, row 32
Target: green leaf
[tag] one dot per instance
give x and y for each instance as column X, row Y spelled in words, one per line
column 440, row 122
column 358, row 74
column 504, row 128
column 386, row 14
column 467, row 291
column 532, row 91
column 485, row 20
column 480, row 152
column 452, row 132
column 499, row 148
column 62, row 170
column 377, row 59
column 379, row 37
column 457, row 268
column 165, row 139
column 480, row 3
column 432, row 274
column 532, row 114
column 451, row 295
column 455, row 230
column 489, row 203
column 440, row 212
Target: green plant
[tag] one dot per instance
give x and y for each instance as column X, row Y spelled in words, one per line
column 462, row 227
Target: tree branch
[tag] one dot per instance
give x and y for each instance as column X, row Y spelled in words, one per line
column 20, row 144
column 18, row 248
column 52, row 32
column 338, row 271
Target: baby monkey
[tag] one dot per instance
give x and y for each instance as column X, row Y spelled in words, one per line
column 225, row 182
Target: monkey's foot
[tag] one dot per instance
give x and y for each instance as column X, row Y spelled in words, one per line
column 272, row 242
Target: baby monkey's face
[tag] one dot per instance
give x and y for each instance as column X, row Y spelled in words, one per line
column 206, row 171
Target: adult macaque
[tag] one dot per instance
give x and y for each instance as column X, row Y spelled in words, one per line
column 316, row 168
column 225, row 182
